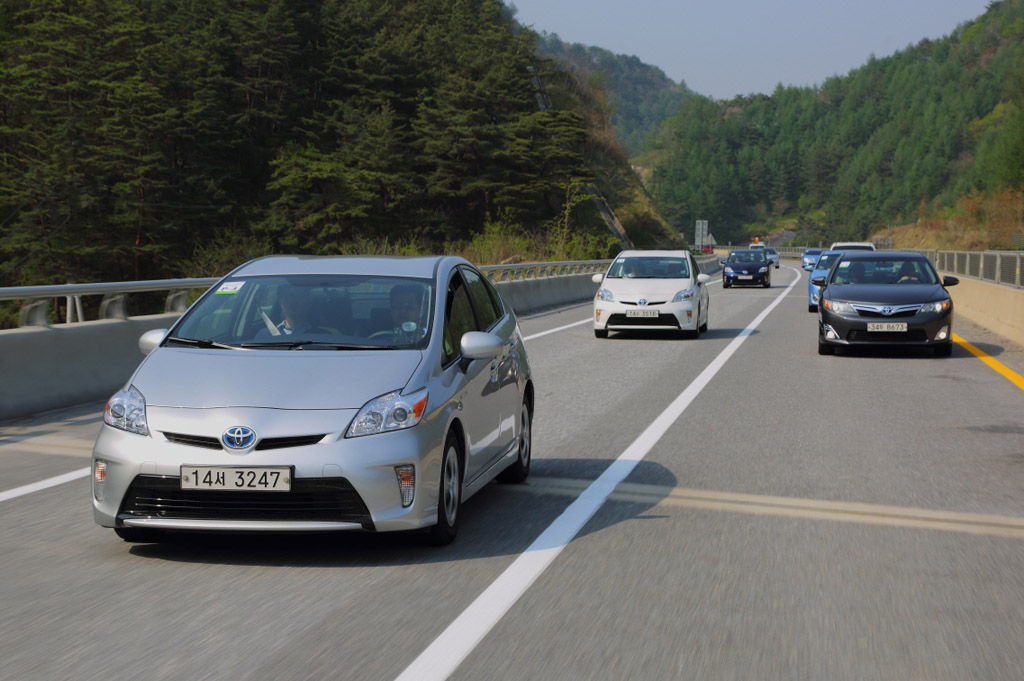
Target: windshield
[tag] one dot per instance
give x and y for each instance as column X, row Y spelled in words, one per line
column 748, row 256
column 812, row 251
column 651, row 267
column 885, row 271
column 335, row 311
column 825, row 261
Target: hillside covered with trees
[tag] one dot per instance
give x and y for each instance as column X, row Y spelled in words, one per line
column 889, row 141
column 640, row 96
column 144, row 139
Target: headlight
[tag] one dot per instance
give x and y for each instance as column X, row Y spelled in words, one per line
column 393, row 411
column 762, row 270
column 837, row 306
column 605, row 295
column 127, row 410
column 728, row 270
column 938, row 306
column 684, row 295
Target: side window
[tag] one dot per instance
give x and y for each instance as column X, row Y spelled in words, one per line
column 458, row 318
column 486, row 309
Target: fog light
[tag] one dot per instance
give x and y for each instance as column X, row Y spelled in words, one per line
column 689, row 315
column 830, row 333
column 99, row 477
column 943, row 333
column 406, row 483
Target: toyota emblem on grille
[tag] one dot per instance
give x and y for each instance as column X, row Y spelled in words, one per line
column 642, row 301
column 887, row 310
column 239, row 437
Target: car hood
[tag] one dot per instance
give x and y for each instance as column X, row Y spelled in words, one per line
column 277, row 379
column 652, row 289
column 887, row 294
column 746, row 266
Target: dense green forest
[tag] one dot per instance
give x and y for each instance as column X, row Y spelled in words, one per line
column 145, row 139
column 640, row 96
column 927, row 125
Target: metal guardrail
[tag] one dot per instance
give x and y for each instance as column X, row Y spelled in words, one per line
column 113, row 306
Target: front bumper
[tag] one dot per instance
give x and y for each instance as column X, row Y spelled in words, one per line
column 614, row 316
column 337, row 483
column 745, row 278
column 935, row 328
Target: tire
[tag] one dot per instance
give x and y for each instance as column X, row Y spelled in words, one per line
column 767, row 282
column 725, row 284
column 449, row 495
column 944, row 350
column 812, row 308
column 707, row 314
column 520, row 469
column 139, row 535
column 826, row 349
column 600, row 333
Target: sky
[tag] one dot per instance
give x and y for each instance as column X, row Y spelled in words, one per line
column 724, row 48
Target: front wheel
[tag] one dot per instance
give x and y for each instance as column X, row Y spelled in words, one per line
column 944, row 350
column 826, row 349
column 600, row 333
column 520, row 469
column 449, row 495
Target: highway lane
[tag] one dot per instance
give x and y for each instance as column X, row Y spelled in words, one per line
column 805, row 517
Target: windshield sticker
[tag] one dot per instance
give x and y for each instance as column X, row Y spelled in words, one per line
column 845, row 263
column 231, row 287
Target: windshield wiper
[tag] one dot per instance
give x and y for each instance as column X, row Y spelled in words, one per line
column 298, row 345
column 201, row 343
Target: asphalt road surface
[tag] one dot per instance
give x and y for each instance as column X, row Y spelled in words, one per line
column 730, row 507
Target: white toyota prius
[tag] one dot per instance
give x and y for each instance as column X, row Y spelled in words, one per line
column 652, row 290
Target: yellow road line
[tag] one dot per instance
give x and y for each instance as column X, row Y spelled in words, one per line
column 1010, row 375
column 817, row 509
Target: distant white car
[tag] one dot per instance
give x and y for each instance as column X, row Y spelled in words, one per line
column 652, row 290
column 852, row 246
column 773, row 256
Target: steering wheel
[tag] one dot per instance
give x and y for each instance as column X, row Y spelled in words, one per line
column 380, row 334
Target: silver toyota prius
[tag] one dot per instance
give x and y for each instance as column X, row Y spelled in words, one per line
column 305, row 394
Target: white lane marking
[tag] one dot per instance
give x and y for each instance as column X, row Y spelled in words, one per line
column 561, row 328
column 455, row 643
column 43, row 484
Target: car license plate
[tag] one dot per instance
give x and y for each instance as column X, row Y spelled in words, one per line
column 641, row 313
column 745, row 276
column 887, row 326
column 263, row 479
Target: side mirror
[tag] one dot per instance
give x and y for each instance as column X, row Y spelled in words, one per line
column 818, row 281
column 597, row 278
column 149, row 340
column 721, row 261
column 950, row 281
column 703, row 278
column 480, row 345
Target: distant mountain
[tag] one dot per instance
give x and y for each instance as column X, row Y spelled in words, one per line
column 641, row 96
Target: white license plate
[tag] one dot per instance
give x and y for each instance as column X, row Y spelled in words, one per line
column 745, row 276
column 641, row 313
column 887, row 326
column 260, row 479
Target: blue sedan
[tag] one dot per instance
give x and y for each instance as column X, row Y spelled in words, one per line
column 819, row 269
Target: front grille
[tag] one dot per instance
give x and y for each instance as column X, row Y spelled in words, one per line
column 660, row 320
column 293, row 441
column 659, row 302
column 193, row 440
column 325, row 499
column 895, row 315
column 206, row 442
column 910, row 336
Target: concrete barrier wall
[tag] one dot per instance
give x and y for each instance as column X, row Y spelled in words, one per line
column 49, row 368
column 999, row 309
